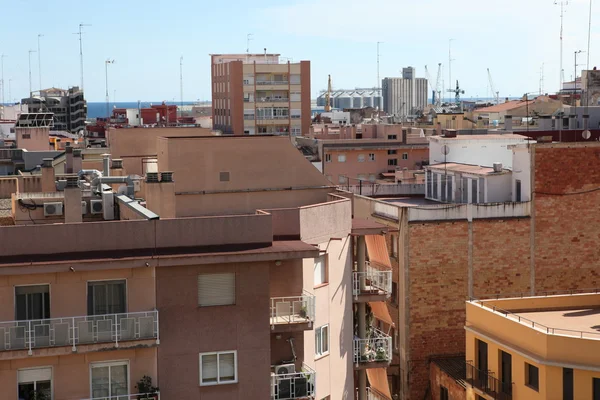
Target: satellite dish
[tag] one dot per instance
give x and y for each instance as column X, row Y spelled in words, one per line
column 586, row 134
column 445, row 149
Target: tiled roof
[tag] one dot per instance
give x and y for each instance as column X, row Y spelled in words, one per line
column 509, row 105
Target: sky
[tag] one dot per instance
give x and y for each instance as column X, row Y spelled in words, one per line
column 513, row 38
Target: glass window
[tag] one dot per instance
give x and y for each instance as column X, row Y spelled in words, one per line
column 371, row 156
column 32, row 302
column 107, row 297
column 109, row 380
column 320, row 271
column 342, row 179
column 568, row 384
column 532, row 376
column 322, row 340
column 405, row 156
column 596, row 388
column 218, row 368
column 342, row 158
column 35, row 383
column 361, row 158
column 390, row 152
column 393, row 161
column 327, row 157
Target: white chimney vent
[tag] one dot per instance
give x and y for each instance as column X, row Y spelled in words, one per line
column 497, row 167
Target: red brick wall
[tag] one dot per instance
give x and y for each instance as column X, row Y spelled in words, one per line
column 501, row 256
column 438, row 377
column 438, row 285
column 567, row 226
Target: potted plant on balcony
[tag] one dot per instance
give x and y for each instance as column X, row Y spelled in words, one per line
column 145, row 388
column 303, row 312
column 381, row 354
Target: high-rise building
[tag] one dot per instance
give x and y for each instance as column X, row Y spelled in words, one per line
column 256, row 94
column 404, row 96
column 69, row 107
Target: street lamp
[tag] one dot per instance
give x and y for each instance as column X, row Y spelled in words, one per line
column 108, row 61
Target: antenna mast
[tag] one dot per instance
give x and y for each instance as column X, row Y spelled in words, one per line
column 80, row 33
column 562, row 3
column 378, row 80
column 181, row 84
column 450, row 62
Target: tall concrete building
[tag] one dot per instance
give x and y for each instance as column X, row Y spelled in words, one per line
column 404, row 96
column 255, row 94
column 69, row 107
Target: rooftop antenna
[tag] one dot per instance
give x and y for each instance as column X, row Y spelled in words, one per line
column 378, row 80
column 562, row 4
column 2, row 57
column 9, row 93
column 450, row 59
column 30, row 87
column 542, row 80
column 80, row 33
column 108, row 61
column 39, row 51
column 181, row 83
column 248, row 39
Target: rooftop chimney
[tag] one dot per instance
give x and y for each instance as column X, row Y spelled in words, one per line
column 160, row 196
column 572, row 121
column 48, row 176
column 508, row 126
column 72, row 201
column 106, row 164
column 68, row 158
column 77, row 161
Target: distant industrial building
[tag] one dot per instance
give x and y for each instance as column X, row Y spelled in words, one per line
column 404, row 96
column 69, row 107
column 353, row 98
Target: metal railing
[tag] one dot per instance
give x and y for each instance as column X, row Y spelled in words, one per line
column 373, row 395
column 272, row 82
column 536, row 325
column 293, row 309
column 372, row 281
column 488, row 383
column 273, row 100
column 74, row 331
column 136, row 396
column 298, row 385
column 376, row 348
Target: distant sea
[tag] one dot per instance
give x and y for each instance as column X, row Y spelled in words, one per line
column 98, row 108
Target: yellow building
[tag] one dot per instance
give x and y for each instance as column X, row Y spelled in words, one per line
column 534, row 348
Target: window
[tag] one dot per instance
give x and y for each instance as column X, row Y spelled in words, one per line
column 109, row 379
column 224, row 176
column 518, row 190
column 322, row 340
column 443, row 393
column 371, row 156
column 405, row 156
column 320, row 271
column 342, row 158
column 32, row 302
column 361, row 158
column 107, row 297
column 218, row 368
column 434, row 193
column 474, row 191
column 216, row 289
column 429, row 179
column 394, row 240
column 394, row 297
column 568, row 384
column 392, row 137
column 26, row 136
column 32, row 382
column 327, row 157
column 393, row 161
column 505, row 372
column 596, row 388
column 532, row 376
column 390, row 152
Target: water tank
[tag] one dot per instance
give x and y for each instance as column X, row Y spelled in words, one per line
column 497, row 167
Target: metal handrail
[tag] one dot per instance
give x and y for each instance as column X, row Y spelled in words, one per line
column 74, row 331
column 377, row 348
column 135, row 396
column 536, row 325
column 372, row 281
column 294, row 386
column 544, row 293
column 488, row 383
column 272, row 82
column 293, row 309
column 373, row 395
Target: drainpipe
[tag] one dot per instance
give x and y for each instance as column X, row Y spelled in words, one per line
column 362, row 313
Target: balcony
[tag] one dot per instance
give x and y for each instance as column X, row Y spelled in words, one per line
column 137, row 396
column 373, row 395
column 296, row 313
column 272, row 82
column 77, row 331
column 373, row 352
column 294, row 385
column 372, row 285
column 488, row 384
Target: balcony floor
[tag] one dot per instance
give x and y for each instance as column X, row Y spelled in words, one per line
column 290, row 323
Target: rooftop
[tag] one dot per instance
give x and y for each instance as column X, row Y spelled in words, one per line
column 467, row 169
column 507, row 136
column 509, row 105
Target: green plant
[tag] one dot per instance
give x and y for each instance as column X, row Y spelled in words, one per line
column 303, row 312
column 145, row 388
column 381, row 354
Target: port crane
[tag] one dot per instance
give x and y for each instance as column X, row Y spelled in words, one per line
column 437, row 93
column 328, row 95
column 495, row 94
column 457, row 92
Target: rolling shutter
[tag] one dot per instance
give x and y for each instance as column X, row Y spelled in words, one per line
column 216, row 289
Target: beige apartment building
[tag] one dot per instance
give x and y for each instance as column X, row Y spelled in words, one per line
column 256, row 94
column 218, row 277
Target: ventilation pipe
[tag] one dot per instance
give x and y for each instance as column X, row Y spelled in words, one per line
column 77, row 160
column 106, row 164
column 48, row 176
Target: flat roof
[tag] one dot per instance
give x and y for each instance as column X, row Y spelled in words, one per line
column 491, row 136
column 466, row 169
column 584, row 319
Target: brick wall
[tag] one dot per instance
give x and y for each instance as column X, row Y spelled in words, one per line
column 438, row 377
column 438, row 285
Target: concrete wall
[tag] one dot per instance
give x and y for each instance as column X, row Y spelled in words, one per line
column 33, row 139
column 476, row 151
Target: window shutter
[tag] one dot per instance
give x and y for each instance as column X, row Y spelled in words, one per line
column 216, row 289
column 325, row 339
column 209, row 368
column 226, row 367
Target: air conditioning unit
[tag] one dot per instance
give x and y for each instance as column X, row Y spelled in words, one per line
column 83, row 207
column 96, row 206
column 285, row 369
column 53, row 209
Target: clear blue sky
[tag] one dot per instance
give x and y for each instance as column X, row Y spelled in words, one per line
column 146, row 38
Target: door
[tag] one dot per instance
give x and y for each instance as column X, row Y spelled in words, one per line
column 518, row 191
column 110, row 380
column 32, row 306
column 35, row 384
column 506, row 372
column 567, row 384
column 482, row 363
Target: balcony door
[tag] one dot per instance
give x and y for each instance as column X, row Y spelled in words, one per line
column 35, row 384
column 107, row 297
column 32, row 302
column 482, row 362
column 110, row 380
column 506, row 372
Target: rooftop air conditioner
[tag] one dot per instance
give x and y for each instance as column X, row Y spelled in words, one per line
column 83, row 207
column 53, row 209
column 285, row 369
column 96, row 206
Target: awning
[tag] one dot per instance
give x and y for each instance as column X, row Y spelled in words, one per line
column 381, row 312
column 378, row 252
column 379, row 382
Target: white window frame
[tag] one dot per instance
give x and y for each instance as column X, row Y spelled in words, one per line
column 328, row 157
column 371, row 156
column 405, row 156
column 111, row 364
column 36, row 381
column 319, row 341
column 361, row 158
column 341, row 157
column 323, row 278
column 218, row 353
column 342, row 179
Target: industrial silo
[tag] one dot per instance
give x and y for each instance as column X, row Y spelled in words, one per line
column 356, row 100
column 344, row 100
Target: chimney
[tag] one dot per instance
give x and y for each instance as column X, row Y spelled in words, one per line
column 106, row 164
column 160, row 196
column 479, row 122
column 77, row 161
column 69, row 158
column 72, row 201
column 508, row 126
column 405, row 173
column 48, row 177
column 572, row 121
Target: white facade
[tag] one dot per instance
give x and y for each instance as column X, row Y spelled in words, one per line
column 521, row 174
column 7, row 130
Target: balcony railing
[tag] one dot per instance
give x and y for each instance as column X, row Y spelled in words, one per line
column 136, row 396
column 271, row 82
column 272, row 100
column 372, row 395
column 377, row 348
column 488, row 383
column 293, row 310
column 298, row 385
column 373, row 281
column 74, row 331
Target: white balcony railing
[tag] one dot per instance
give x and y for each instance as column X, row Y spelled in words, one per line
column 298, row 385
column 293, row 310
column 136, row 396
column 373, row 395
column 376, row 348
column 372, row 281
column 271, row 82
column 74, row 331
